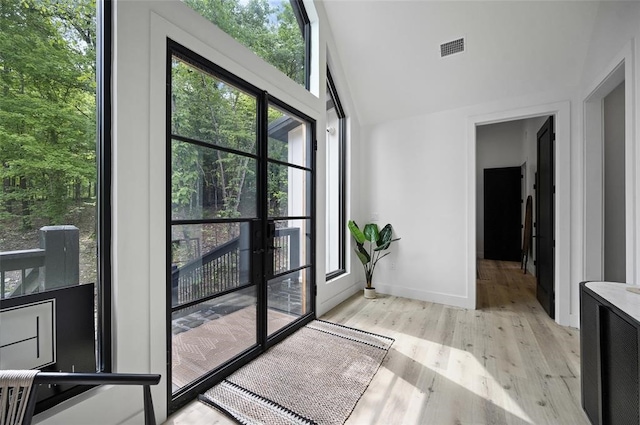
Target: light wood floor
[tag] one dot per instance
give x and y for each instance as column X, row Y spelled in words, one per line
column 504, row 363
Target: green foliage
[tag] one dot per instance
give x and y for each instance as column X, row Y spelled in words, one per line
column 47, row 107
column 207, row 109
column 48, row 111
column 382, row 240
column 270, row 30
column 211, row 182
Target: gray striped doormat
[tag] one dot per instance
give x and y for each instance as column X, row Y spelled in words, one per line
column 315, row 376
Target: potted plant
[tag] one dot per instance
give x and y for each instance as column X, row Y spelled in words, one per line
column 379, row 240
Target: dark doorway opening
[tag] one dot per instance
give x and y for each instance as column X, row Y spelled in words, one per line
column 502, row 204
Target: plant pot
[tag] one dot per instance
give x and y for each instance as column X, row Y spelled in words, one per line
column 370, row 293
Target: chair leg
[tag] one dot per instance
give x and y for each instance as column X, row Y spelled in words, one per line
column 149, row 415
column 31, row 405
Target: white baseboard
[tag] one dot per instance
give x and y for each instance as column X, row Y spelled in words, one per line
column 331, row 302
column 434, row 297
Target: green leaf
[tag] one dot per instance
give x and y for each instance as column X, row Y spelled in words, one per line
column 371, row 232
column 385, row 236
column 383, row 246
column 356, row 232
column 363, row 255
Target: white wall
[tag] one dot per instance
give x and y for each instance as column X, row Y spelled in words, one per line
column 614, row 56
column 497, row 146
column 616, row 25
column 140, row 32
column 428, row 194
column 614, row 187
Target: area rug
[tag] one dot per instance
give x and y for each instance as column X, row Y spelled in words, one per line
column 315, row 376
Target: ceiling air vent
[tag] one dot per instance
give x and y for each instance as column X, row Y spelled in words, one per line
column 452, row 47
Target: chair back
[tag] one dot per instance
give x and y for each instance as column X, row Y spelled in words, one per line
column 15, row 389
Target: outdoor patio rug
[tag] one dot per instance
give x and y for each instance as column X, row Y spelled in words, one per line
column 315, row 376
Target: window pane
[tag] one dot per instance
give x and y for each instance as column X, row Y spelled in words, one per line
column 272, row 29
column 208, row 334
column 287, row 190
column 210, row 110
column 288, row 297
column 49, row 194
column 207, row 259
column 210, row 183
column 288, row 138
column 48, row 137
column 292, row 242
column 335, row 198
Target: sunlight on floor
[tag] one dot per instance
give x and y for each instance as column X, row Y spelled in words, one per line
column 468, row 372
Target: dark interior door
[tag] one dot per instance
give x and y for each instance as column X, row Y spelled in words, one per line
column 545, row 239
column 502, row 198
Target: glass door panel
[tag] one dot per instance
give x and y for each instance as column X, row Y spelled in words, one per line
column 288, row 138
column 200, row 189
column 213, row 210
column 207, row 334
column 291, row 242
column 286, row 182
column 289, row 298
column 240, row 222
column 208, row 259
column 289, row 194
column 210, row 110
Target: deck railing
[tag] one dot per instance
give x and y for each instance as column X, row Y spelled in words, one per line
column 28, row 262
column 225, row 268
column 58, row 253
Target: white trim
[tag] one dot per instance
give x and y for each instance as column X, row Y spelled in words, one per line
column 334, row 300
column 430, row 296
column 621, row 68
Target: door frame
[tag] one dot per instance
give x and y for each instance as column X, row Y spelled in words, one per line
column 565, row 312
column 165, row 20
column 619, row 70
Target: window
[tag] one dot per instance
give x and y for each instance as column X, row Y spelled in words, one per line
column 335, row 203
column 54, row 220
column 276, row 30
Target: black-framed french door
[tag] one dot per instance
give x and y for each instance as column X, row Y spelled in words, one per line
column 240, row 222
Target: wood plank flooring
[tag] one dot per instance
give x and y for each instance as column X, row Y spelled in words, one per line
column 504, row 363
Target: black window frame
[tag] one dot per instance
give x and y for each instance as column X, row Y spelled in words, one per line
column 103, row 353
column 342, row 167
column 104, row 157
column 305, row 27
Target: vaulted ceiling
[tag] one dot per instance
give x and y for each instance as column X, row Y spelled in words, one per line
column 390, row 51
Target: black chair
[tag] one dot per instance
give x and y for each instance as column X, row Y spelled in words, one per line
column 18, row 390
